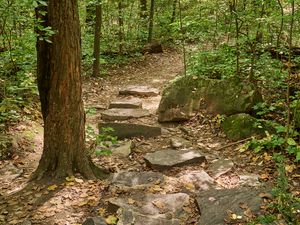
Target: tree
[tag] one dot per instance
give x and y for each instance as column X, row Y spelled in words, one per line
column 98, row 25
column 151, row 18
column 59, row 84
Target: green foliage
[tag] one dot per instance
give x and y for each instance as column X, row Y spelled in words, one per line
column 215, row 64
column 101, row 142
column 276, row 142
column 285, row 203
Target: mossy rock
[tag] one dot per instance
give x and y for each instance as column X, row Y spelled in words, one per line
column 187, row 94
column 241, row 126
column 6, row 147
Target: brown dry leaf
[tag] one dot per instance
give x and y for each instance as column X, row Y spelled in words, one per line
column 267, row 157
column 248, row 213
column 243, row 206
column 290, row 168
column 83, row 203
column 101, row 211
column 159, row 204
column 131, row 201
column 265, row 195
column 264, row 176
column 79, row 180
column 155, row 188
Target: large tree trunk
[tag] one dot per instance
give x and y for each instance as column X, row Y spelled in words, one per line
column 59, row 83
column 98, row 25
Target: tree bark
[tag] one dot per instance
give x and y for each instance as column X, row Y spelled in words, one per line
column 98, row 25
column 151, row 17
column 59, row 84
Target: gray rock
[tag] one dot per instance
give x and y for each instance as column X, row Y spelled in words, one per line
column 94, row 221
column 131, row 103
column 153, row 204
column 178, row 142
column 123, row 149
column 220, row 167
column 187, row 94
column 123, row 114
column 142, row 91
column 128, row 130
column 241, row 126
column 168, row 158
column 215, row 204
column 200, row 179
column 128, row 217
column 135, row 179
column 249, row 179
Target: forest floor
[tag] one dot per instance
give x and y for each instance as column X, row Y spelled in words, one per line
column 75, row 199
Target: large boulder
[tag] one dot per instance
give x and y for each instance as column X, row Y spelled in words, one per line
column 241, row 126
column 187, row 94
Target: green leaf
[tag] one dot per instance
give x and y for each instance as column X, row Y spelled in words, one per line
column 291, row 142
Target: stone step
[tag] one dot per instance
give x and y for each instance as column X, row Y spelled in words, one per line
column 129, row 130
column 166, row 159
column 131, row 103
column 142, row 91
column 123, row 114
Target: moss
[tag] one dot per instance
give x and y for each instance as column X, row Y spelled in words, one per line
column 241, row 126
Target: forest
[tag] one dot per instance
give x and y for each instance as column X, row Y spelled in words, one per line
column 150, row 112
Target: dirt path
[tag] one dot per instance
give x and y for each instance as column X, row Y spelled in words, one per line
column 75, row 199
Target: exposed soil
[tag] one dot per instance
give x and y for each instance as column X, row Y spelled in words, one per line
column 73, row 200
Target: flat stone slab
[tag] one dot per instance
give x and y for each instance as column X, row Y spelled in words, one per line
column 127, row 217
column 128, row 130
column 152, row 204
column 168, row 158
column 220, row 167
column 142, row 91
column 123, row 114
column 214, row 205
column 131, row 103
column 137, row 179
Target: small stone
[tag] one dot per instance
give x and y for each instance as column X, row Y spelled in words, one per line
column 178, row 142
column 142, row 91
column 123, row 114
column 94, row 221
column 131, row 103
column 220, row 167
column 166, row 159
column 123, row 149
column 250, row 179
column 129, row 130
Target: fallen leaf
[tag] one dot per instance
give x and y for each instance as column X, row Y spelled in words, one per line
column 70, row 179
column 111, row 220
column 190, row 186
column 131, row 201
column 101, row 211
column 52, row 187
column 159, row 204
